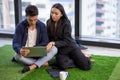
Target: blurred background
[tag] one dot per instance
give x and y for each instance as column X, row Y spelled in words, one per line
column 94, row 22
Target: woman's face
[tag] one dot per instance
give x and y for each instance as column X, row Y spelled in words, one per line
column 56, row 14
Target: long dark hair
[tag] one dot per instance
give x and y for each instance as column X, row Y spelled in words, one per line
column 63, row 20
column 64, row 17
column 61, row 8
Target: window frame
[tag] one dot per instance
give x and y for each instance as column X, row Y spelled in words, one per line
column 18, row 14
column 78, row 9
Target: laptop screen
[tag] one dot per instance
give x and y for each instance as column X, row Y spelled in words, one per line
column 38, row 51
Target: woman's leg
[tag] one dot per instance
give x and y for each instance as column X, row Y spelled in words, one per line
column 80, row 59
column 64, row 61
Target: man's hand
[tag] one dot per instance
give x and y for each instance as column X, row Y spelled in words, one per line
column 24, row 52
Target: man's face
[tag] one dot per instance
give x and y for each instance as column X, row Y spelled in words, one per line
column 32, row 20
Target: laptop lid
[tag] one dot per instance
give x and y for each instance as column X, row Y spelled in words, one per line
column 38, row 51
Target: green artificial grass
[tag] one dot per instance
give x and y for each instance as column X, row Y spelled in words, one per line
column 8, row 70
column 102, row 69
column 116, row 73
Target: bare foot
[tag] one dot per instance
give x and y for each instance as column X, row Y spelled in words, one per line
column 85, row 53
column 92, row 60
column 45, row 64
column 33, row 66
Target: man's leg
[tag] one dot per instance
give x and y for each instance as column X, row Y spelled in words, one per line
column 24, row 60
column 41, row 61
column 49, row 56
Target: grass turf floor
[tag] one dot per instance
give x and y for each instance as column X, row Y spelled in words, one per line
column 102, row 69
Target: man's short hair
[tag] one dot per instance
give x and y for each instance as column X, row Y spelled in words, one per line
column 31, row 10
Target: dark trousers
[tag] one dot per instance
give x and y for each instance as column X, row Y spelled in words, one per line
column 72, row 59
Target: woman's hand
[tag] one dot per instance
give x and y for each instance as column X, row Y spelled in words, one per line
column 49, row 46
column 24, row 52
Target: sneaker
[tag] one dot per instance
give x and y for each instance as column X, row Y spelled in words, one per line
column 25, row 69
column 14, row 60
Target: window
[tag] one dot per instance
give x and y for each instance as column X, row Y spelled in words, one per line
column 44, row 7
column 106, row 21
column 7, row 18
column 41, row 6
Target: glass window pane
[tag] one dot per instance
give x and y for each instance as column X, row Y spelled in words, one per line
column 7, row 18
column 100, row 20
column 44, row 7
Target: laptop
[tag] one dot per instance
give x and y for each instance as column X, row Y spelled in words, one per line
column 38, row 51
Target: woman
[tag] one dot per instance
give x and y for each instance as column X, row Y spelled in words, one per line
column 59, row 33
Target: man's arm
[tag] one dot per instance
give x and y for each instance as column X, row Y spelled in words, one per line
column 17, row 44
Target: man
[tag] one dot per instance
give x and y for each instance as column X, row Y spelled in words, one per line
column 31, row 32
